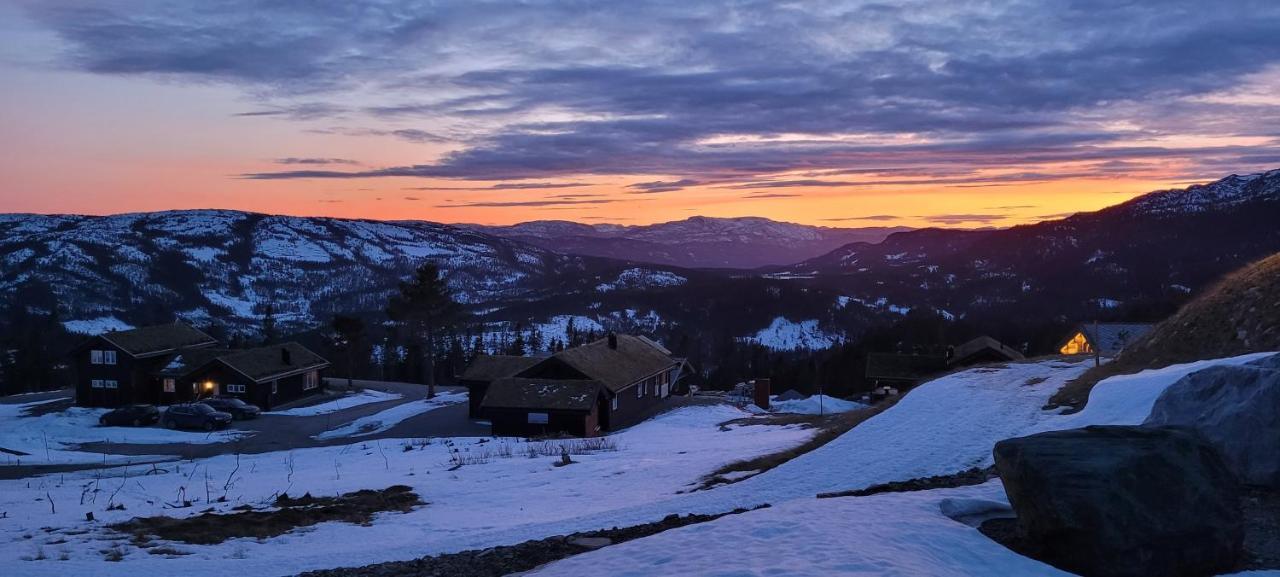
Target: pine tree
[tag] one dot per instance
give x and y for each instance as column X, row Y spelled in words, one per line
column 269, row 334
column 348, row 338
column 424, row 304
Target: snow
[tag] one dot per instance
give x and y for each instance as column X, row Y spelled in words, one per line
column 641, row 278
column 888, row 534
column 96, row 326
column 343, row 403
column 385, row 420
column 785, row 335
column 814, row 405
column 62, row 431
column 503, row 500
column 943, row 426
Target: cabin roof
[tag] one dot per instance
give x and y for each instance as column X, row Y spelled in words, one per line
column 903, row 367
column 182, row 362
column 158, row 339
column 1111, row 338
column 977, row 345
column 268, row 362
column 635, row 358
column 542, row 394
column 492, row 367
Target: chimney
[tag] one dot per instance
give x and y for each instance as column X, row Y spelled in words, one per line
column 762, row 393
column 285, row 357
column 613, row 340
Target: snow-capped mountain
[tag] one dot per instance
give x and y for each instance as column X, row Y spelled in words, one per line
column 696, row 242
column 231, row 265
column 1227, row 192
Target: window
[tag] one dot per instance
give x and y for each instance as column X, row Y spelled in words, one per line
column 235, row 388
column 614, row 403
column 95, row 357
column 96, row 383
column 169, row 386
column 311, row 381
column 109, row 357
column 539, row 418
column 110, row 384
column 275, row 387
column 639, row 390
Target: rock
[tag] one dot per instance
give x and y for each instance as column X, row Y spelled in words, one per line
column 591, row 542
column 1123, row 501
column 1237, row 409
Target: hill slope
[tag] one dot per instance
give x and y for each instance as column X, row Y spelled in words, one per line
column 1157, row 248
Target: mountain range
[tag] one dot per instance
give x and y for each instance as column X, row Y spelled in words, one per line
column 1133, row 260
column 696, row 242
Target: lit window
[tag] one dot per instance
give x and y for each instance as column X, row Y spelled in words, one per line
column 169, row 386
column 95, row 357
column 109, row 357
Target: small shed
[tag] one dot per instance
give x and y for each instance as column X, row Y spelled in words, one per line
column 1105, row 339
column 983, row 349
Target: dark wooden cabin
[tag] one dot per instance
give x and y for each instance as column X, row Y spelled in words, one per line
column 266, row 376
column 632, row 378
column 485, row 369
column 535, row 407
column 119, row 368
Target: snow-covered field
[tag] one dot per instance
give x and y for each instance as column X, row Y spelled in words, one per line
column 342, row 403
column 896, row 534
column 506, row 499
column 384, row 420
column 50, row 439
column 942, row 427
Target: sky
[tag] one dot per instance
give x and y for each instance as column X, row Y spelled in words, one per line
column 835, row 113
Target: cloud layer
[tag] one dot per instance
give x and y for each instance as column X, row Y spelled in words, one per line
column 743, row 94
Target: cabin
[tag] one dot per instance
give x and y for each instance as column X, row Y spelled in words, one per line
column 177, row 363
column 118, row 368
column 890, row 371
column 1102, row 339
column 485, row 369
column 267, row 376
column 903, row 371
column 601, row 386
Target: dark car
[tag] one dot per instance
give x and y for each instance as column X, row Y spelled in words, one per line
column 195, row 416
column 135, row 415
column 239, row 409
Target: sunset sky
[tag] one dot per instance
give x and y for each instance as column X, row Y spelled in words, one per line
column 920, row 113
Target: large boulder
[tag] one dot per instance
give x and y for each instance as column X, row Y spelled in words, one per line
column 1237, row 409
column 1123, row 501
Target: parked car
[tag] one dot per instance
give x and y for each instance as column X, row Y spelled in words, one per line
column 239, row 409
column 195, row 416
column 135, row 415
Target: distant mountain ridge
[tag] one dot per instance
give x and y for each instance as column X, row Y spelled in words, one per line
column 696, row 242
column 1156, row 248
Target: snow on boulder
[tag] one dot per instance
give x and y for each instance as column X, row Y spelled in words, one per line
column 1123, row 500
column 1237, row 409
column 787, row 335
